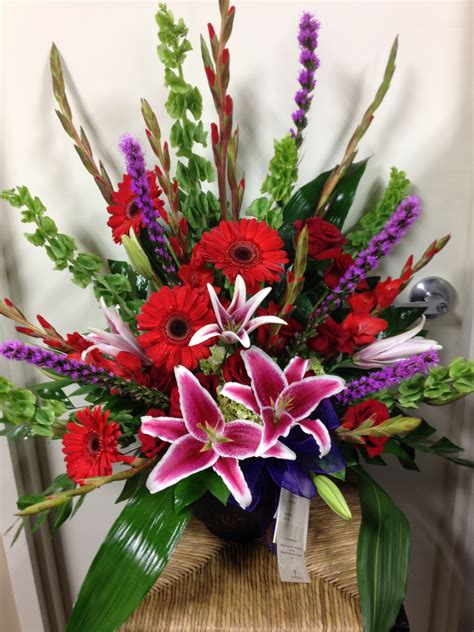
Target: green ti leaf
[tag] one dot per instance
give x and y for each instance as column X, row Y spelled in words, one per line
column 304, row 201
column 133, row 555
column 383, row 555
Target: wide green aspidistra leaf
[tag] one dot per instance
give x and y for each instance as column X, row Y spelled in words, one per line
column 383, row 555
column 133, row 555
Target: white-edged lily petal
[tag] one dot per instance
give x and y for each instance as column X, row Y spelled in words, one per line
column 240, row 294
column 197, row 405
column 242, row 394
column 230, row 472
column 264, row 320
column 268, row 380
column 205, row 333
column 183, row 458
column 296, row 369
column 222, row 315
column 319, row 432
column 164, row 428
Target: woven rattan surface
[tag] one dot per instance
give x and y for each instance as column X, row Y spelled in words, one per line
column 213, row 585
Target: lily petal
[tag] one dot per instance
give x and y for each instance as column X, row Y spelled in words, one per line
column 319, row 432
column 165, row 428
column 232, row 337
column 182, row 459
column 264, row 320
column 304, row 396
column 242, row 394
column 197, row 405
column 205, row 333
column 222, row 315
column 240, row 294
column 296, row 369
column 273, row 429
column 268, row 380
column 279, row 451
column 244, row 439
column 246, row 311
column 231, row 474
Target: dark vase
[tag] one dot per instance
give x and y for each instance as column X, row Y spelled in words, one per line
column 228, row 522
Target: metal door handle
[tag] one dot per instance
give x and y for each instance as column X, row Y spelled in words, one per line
column 434, row 293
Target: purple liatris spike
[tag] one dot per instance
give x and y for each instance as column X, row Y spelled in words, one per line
column 136, row 169
column 79, row 372
column 308, row 41
column 380, row 245
column 387, row 377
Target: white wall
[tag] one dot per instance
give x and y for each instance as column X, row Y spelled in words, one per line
column 423, row 127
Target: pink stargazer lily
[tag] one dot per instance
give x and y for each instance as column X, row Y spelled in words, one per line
column 202, row 439
column 390, row 351
column 119, row 338
column 284, row 399
column 235, row 323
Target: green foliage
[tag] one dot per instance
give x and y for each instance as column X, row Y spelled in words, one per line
column 303, row 203
column 279, row 183
column 383, row 555
column 130, row 560
column 373, row 221
column 183, row 100
column 25, row 414
column 421, row 440
column 60, row 248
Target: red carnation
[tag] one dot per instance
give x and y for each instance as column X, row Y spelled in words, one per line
column 124, row 212
column 331, row 339
column 370, row 409
column 90, row 445
column 247, row 247
column 170, row 317
column 363, row 328
column 325, row 240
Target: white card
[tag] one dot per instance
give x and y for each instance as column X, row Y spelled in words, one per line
column 291, row 532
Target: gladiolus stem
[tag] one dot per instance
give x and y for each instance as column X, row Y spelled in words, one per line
column 94, row 483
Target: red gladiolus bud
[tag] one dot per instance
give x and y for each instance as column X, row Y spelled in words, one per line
column 43, row 322
column 242, row 184
column 231, row 10
column 158, row 171
column 228, row 105
column 211, row 30
column 175, row 186
column 8, row 302
column 26, row 330
column 214, row 134
column 148, row 133
column 225, row 56
column 211, row 77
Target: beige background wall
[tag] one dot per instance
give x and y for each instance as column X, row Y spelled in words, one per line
column 423, row 127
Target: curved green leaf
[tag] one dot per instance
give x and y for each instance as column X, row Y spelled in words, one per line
column 342, row 198
column 383, row 555
column 304, row 201
column 134, row 553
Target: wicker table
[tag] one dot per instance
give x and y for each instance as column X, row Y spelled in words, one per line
column 214, row 585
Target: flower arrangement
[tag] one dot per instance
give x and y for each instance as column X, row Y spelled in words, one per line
column 248, row 347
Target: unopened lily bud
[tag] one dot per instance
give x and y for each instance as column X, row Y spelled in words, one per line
column 136, row 255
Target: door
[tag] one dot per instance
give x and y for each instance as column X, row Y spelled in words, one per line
column 423, row 127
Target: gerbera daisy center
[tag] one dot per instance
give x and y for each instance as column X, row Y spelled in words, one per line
column 244, row 252
column 94, row 443
column 132, row 210
column 178, row 327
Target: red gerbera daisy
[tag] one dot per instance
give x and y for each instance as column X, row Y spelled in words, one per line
column 247, row 247
column 90, row 445
column 170, row 317
column 124, row 212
